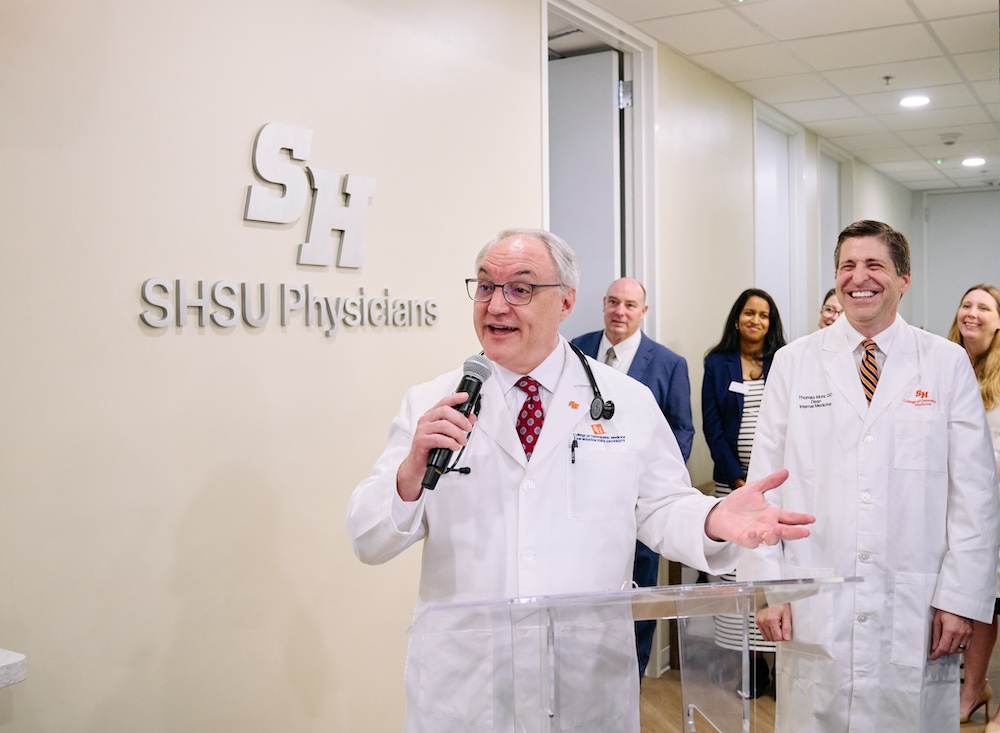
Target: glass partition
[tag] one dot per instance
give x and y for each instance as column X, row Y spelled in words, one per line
column 568, row 662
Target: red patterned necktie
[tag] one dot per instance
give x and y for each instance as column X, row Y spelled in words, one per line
column 869, row 369
column 529, row 419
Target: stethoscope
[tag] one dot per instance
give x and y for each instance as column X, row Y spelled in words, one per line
column 600, row 409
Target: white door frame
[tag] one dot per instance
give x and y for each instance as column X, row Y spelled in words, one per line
column 796, row 320
column 639, row 212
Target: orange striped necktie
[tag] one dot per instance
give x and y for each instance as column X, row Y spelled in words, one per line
column 869, row 369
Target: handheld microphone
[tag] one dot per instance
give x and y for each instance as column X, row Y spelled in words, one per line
column 477, row 370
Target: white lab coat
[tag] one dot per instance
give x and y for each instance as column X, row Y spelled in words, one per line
column 564, row 523
column 905, row 497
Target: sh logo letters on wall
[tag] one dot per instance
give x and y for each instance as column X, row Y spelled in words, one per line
column 328, row 213
column 334, row 207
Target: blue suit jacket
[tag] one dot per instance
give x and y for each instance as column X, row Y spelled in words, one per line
column 666, row 375
column 722, row 411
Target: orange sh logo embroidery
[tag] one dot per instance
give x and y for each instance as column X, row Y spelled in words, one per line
column 921, row 398
column 574, row 405
column 597, row 428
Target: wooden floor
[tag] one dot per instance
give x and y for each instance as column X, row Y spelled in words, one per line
column 660, row 706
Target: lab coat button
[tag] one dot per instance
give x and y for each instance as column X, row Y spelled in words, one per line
column 869, row 438
column 866, row 498
column 864, row 557
column 862, row 617
column 527, row 555
column 528, row 486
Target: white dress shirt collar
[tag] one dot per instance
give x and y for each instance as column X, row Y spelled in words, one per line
column 625, row 350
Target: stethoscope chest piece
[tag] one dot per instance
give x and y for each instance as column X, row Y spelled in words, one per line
column 601, row 409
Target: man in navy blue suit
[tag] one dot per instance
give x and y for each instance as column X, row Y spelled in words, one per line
column 623, row 346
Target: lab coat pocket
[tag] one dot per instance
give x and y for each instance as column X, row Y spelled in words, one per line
column 456, row 675
column 605, row 479
column 921, row 442
column 911, row 618
column 812, row 618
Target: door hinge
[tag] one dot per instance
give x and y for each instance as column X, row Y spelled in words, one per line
column 624, row 94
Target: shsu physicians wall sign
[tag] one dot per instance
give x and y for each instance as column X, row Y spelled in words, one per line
column 332, row 208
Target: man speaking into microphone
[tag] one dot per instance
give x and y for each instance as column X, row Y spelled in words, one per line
column 543, row 495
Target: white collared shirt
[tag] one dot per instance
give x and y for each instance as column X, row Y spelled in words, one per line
column 625, row 350
column 546, row 374
column 883, row 343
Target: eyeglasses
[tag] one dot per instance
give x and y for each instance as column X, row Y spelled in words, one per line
column 481, row 291
column 829, row 310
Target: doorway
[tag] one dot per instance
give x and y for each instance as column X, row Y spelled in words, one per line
column 599, row 174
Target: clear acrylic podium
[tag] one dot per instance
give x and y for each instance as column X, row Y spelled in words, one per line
column 568, row 663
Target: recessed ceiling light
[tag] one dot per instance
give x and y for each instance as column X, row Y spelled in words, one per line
column 973, row 162
column 915, row 101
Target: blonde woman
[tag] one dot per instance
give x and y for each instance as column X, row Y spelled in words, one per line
column 975, row 327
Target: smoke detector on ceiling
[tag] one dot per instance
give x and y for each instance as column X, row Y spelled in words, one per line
column 950, row 138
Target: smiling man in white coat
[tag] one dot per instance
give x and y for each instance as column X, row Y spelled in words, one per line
column 884, row 435
column 554, row 512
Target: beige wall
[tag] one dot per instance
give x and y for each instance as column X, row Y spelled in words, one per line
column 705, row 214
column 172, row 501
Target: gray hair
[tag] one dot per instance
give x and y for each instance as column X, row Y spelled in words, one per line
column 567, row 269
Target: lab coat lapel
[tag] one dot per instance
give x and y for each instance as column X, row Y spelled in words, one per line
column 495, row 421
column 899, row 370
column 838, row 361
column 569, row 405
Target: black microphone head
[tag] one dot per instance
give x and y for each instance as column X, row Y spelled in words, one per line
column 478, row 367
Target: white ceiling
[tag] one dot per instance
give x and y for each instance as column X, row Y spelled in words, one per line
column 823, row 63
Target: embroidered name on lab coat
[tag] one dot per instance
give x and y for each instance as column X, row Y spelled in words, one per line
column 588, row 438
column 810, row 401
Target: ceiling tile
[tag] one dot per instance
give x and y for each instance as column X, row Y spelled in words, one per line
column 953, row 155
column 819, row 109
column 790, row 19
column 871, row 141
column 952, row 95
column 635, row 10
column 914, row 168
column 714, row 30
column 864, row 48
column 846, row 127
column 985, row 132
column 978, row 66
column 933, row 9
column 886, row 155
column 970, row 33
column 988, row 91
column 930, row 118
column 905, row 75
column 775, row 90
column 755, row 62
